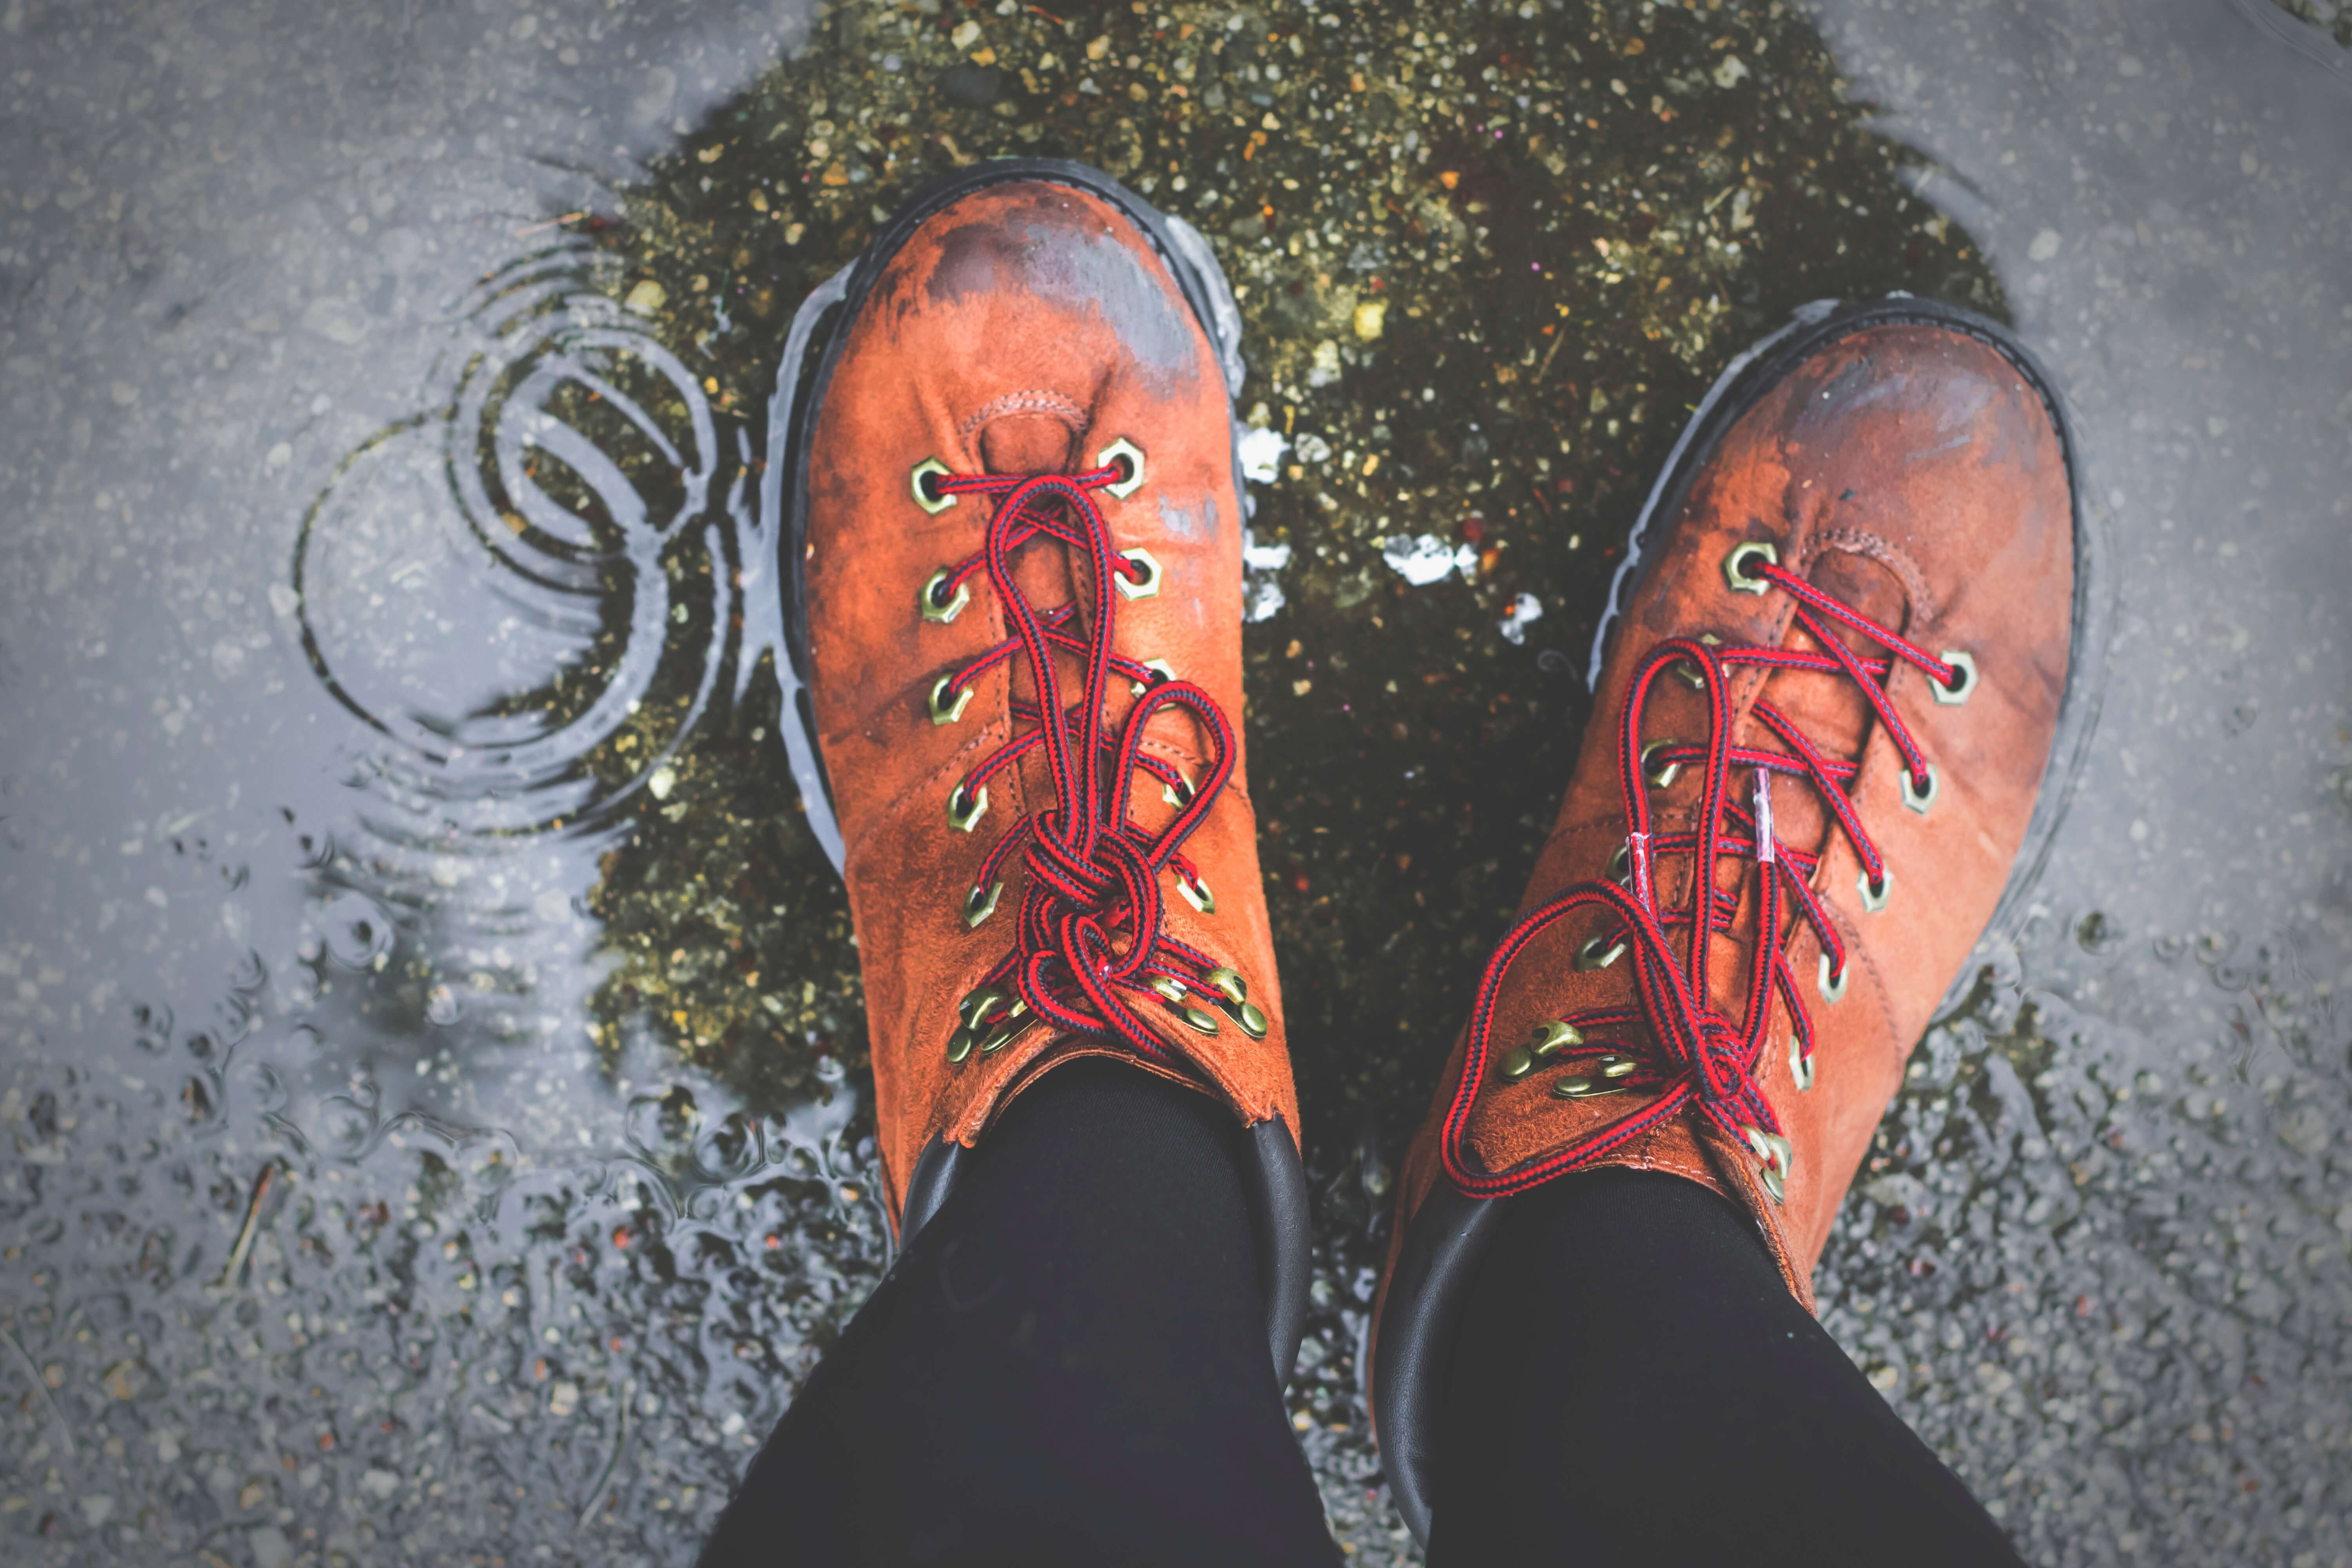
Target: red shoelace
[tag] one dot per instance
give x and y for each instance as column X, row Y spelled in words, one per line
column 1675, row 1043
column 1091, row 953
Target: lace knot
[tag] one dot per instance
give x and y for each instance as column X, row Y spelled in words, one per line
column 1091, row 950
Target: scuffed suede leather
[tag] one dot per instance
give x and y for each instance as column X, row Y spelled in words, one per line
column 1911, row 471
column 1021, row 329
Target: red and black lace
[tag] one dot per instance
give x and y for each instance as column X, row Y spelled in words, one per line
column 1091, row 954
column 1683, row 1047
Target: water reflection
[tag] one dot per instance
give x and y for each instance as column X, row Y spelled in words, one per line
column 526, row 593
column 530, row 595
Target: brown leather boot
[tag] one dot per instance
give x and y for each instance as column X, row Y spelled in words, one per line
column 1848, row 677
column 1015, row 548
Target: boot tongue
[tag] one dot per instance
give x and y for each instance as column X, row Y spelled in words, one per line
column 1864, row 587
column 1034, row 444
column 1025, row 444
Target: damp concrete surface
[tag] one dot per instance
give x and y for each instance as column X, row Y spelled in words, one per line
column 433, row 1113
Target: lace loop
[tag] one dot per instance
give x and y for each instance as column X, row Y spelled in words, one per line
column 1687, row 1049
column 1089, row 942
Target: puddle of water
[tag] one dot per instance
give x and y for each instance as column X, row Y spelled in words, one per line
column 433, row 1062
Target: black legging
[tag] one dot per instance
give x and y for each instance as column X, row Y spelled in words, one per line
column 1068, row 1365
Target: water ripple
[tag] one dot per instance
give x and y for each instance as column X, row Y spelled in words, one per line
column 526, row 592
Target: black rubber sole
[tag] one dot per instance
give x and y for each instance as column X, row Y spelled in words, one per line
column 1408, row 1370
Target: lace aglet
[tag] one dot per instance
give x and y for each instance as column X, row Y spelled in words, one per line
column 1765, row 851
column 1638, row 844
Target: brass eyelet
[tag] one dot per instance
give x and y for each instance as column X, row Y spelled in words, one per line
column 1552, row 1036
column 1778, row 1159
column 1201, row 1020
column 1621, row 865
column 1831, row 983
column 1617, row 1067
column 1233, row 992
column 952, row 712
column 933, row 608
column 1150, row 586
column 924, row 497
column 1663, row 775
column 988, row 1028
column 1585, row 1089
column 1735, row 564
column 1801, row 1066
column 1920, row 800
column 1168, row 792
column 1197, row 894
column 964, row 811
column 1123, row 448
column 1590, row 957
column 1953, row 696
column 1172, row 988
column 1690, row 674
column 960, row 1044
column 979, row 1006
column 1158, row 666
column 1875, row 897
column 980, row 903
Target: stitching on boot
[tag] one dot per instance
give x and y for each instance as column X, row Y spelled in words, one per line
column 1894, row 557
column 1654, row 1151
column 933, row 786
column 1052, row 404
